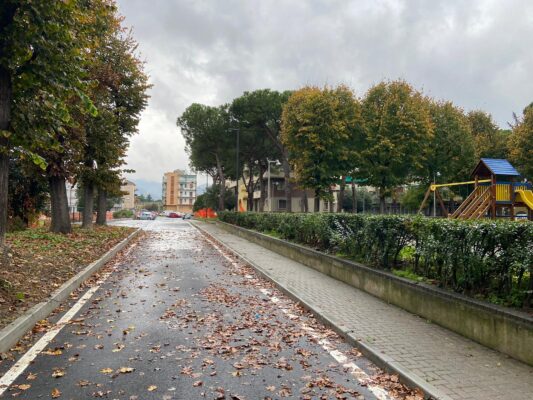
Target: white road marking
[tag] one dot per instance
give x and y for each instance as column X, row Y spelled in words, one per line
column 361, row 376
column 16, row 370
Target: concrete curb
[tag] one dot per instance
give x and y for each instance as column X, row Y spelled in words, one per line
column 12, row 333
column 380, row 359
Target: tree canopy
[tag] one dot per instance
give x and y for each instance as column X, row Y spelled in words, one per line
column 451, row 153
column 398, row 130
column 321, row 128
column 209, row 142
column 521, row 143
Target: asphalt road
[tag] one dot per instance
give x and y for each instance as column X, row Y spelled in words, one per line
column 179, row 319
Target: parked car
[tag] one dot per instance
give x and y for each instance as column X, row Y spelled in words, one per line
column 173, row 215
column 187, row 216
column 146, row 215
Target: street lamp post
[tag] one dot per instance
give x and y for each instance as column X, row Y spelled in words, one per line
column 236, row 169
column 268, row 187
column 435, row 174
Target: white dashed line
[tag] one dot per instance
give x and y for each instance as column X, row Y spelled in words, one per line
column 361, row 376
column 16, row 370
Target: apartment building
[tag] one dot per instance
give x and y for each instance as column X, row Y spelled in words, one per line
column 179, row 191
column 128, row 198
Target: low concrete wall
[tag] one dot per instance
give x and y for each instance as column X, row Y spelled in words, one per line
column 502, row 329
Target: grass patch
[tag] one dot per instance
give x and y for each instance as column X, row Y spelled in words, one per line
column 407, row 274
column 41, row 261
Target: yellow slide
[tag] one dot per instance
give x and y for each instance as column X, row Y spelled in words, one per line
column 526, row 197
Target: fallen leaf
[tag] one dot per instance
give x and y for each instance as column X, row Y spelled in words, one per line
column 58, row 373
column 126, row 370
column 106, row 370
column 197, row 383
column 55, row 352
column 31, row 377
column 55, row 393
column 151, row 388
column 24, row 386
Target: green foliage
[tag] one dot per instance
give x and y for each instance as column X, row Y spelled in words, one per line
column 210, row 199
column 209, row 142
column 521, row 143
column 408, row 274
column 398, row 131
column 413, row 196
column 119, row 86
column 482, row 258
column 363, row 198
column 258, row 116
column 489, row 140
column 451, row 151
column 28, row 192
column 123, row 214
column 322, row 129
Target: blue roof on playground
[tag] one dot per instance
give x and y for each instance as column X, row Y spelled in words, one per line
column 500, row 167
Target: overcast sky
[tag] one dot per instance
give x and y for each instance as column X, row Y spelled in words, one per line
column 476, row 53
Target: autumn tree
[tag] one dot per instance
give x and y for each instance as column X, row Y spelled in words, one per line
column 258, row 114
column 40, row 74
column 398, row 131
column 321, row 129
column 489, row 140
column 451, row 152
column 209, row 142
column 119, row 93
column 521, row 143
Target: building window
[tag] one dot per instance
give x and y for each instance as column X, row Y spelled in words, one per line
column 282, row 204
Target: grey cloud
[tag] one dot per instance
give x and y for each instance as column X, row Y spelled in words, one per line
column 475, row 53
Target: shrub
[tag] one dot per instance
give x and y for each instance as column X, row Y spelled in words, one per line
column 487, row 258
column 123, row 214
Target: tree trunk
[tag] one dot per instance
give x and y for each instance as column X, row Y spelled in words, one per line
column 221, row 199
column 88, row 205
column 341, row 195
column 382, row 203
column 262, row 189
column 58, row 199
column 6, row 92
column 101, row 216
column 317, row 202
column 305, row 205
column 332, row 198
column 354, row 199
column 288, row 183
column 250, row 190
column 4, row 176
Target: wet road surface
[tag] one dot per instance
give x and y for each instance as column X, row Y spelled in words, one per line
column 177, row 318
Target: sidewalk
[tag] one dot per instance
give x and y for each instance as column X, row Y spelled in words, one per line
column 448, row 365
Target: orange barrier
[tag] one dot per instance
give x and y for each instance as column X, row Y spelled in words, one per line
column 205, row 213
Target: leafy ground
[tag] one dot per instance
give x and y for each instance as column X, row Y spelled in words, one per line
column 41, row 261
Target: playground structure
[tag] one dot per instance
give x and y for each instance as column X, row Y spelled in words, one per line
column 497, row 187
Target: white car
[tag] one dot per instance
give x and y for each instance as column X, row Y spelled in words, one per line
column 146, row 215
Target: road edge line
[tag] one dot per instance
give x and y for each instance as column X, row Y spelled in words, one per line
column 380, row 359
column 12, row 333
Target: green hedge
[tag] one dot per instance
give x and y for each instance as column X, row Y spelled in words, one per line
column 123, row 214
column 487, row 259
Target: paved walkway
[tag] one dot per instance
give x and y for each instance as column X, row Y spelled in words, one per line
column 456, row 367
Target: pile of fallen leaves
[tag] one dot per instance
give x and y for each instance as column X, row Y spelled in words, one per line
column 40, row 262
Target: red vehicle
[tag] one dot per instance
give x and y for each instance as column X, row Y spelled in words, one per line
column 173, row 215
